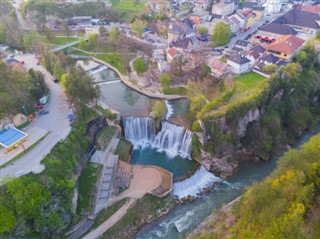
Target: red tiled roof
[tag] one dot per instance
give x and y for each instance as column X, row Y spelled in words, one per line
column 315, row 9
column 219, row 65
column 286, row 44
column 172, row 52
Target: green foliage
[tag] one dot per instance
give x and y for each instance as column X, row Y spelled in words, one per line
column 221, row 34
column 139, row 65
column 114, row 33
column 79, row 86
column 86, row 187
column 7, row 219
column 124, row 150
column 165, row 81
column 31, row 38
column 138, row 26
column 196, row 145
column 196, row 127
column 292, row 191
column 270, row 68
column 196, row 104
column 158, row 108
column 203, row 30
column 19, row 88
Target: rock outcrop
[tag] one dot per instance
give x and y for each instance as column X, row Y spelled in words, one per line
column 252, row 115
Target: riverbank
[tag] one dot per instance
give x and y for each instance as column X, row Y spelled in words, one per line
column 126, row 81
column 183, row 218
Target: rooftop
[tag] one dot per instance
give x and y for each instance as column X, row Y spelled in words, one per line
column 239, row 59
column 172, row 52
column 299, row 18
column 314, row 9
column 278, row 29
column 10, row 137
column 287, row 44
column 270, row 59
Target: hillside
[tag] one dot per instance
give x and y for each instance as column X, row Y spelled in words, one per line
column 286, row 204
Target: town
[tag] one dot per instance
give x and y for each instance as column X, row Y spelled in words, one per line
column 115, row 111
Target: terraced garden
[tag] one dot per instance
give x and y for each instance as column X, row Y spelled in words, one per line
column 124, row 150
column 106, row 135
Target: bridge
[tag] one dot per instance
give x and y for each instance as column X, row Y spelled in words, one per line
column 59, row 48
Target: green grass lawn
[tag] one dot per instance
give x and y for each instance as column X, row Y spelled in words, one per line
column 176, row 91
column 87, row 185
column 112, row 59
column 128, row 5
column 247, row 84
column 64, row 40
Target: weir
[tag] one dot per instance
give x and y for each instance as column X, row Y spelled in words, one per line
column 173, row 139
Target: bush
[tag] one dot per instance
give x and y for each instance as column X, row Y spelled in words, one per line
column 196, row 127
column 139, row 65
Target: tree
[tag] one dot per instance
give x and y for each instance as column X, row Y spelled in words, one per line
column 47, row 33
column 66, row 29
column 102, row 31
column 196, row 104
column 203, row 30
column 80, row 86
column 139, row 65
column 165, row 81
column 138, row 27
column 221, row 34
column 292, row 70
column 270, row 68
column 31, row 38
column 7, row 219
column 114, row 33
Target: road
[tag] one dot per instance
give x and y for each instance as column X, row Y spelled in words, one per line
column 24, row 24
column 55, row 122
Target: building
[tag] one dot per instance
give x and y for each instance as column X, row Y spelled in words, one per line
column 218, row 68
column 313, row 9
column 200, row 5
column 273, row 6
column 285, row 47
column 179, row 31
column 301, row 21
column 238, row 63
column 172, row 53
column 80, row 21
column 163, row 66
column 223, row 9
column 259, row 12
column 184, row 45
column 92, row 30
column 273, row 31
column 10, row 138
column 241, row 44
column 238, row 22
column 159, row 5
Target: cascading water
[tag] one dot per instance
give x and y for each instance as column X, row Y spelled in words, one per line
column 170, row 109
column 140, row 131
column 174, row 140
column 195, row 184
column 98, row 69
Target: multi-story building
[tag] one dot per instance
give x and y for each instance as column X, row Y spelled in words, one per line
column 223, row 9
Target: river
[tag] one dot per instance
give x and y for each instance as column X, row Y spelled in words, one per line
column 183, row 218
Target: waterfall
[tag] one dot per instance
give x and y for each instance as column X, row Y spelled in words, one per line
column 170, row 109
column 97, row 69
column 174, row 140
column 195, row 184
column 139, row 130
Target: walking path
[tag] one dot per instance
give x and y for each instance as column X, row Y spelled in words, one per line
column 111, row 220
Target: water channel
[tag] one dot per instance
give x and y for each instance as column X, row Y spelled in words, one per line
column 183, row 218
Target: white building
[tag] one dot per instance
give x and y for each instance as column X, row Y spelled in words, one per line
column 238, row 63
column 273, row 6
column 223, row 9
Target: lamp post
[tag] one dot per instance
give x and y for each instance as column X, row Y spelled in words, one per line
column 25, row 111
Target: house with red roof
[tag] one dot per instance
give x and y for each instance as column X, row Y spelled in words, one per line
column 172, row 53
column 218, row 68
column 285, row 47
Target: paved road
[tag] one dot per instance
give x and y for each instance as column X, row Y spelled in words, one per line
column 55, row 122
column 26, row 25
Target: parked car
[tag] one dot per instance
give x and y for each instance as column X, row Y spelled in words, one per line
column 12, row 56
column 21, row 62
column 56, row 81
column 38, row 62
column 44, row 112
